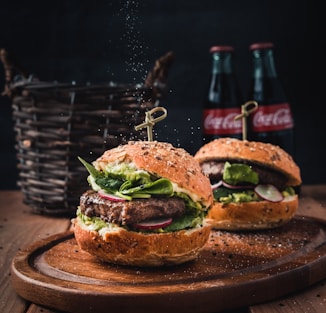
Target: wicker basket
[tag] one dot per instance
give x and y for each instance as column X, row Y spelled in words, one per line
column 55, row 123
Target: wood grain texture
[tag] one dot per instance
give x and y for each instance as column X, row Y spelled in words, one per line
column 312, row 300
column 18, row 228
column 250, row 267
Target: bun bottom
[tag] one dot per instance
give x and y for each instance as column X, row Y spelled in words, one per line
column 124, row 247
column 252, row 215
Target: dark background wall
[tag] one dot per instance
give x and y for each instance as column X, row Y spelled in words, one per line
column 106, row 40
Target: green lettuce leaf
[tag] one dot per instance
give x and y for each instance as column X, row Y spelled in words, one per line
column 160, row 187
column 127, row 184
column 235, row 174
column 90, row 168
column 108, row 183
column 226, row 195
column 184, row 222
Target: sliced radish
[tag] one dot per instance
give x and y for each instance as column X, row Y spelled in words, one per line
column 215, row 186
column 269, row 193
column 154, row 224
column 237, row 186
column 109, row 196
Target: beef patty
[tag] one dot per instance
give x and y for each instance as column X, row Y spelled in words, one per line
column 130, row 212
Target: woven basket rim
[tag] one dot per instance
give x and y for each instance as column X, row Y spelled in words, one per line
column 109, row 86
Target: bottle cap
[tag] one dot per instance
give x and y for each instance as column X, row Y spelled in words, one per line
column 261, row 45
column 221, row 49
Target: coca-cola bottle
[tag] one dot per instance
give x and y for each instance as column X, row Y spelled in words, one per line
column 223, row 100
column 272, row 121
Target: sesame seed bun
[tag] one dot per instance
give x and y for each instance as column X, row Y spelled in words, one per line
column 163, row 160
column 252, row 215
column 138, row 249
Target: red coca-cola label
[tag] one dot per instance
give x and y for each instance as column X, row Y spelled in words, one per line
column 221, row 121
column 272, row 118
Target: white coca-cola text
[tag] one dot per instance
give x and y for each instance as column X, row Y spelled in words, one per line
column 273, row 119
column 222, row 122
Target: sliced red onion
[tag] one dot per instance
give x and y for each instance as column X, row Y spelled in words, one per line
column 109, row 196
column 237, row 186
column 215, row 186
column 154, row 224
column 269, row 192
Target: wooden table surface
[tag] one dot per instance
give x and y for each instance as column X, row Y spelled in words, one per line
column 19, row 227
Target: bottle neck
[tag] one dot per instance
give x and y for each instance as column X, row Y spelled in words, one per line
column 222, row 62
column 263, row 63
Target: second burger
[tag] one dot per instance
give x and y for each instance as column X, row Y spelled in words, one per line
column 253, row 184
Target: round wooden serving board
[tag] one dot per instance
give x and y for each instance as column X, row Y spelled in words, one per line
column 233, row 270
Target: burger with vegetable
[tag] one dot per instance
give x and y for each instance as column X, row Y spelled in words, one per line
column 253, row 184
column 146, row 206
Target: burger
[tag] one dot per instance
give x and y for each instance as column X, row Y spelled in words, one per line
column 146, row 206
column 254, row 184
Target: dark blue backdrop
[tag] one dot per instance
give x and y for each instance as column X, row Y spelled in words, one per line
column 105, row 40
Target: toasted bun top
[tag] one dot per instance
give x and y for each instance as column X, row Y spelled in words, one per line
column 163, row 160
column 265, row 154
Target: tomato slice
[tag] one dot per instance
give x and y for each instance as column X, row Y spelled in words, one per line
column 109, row 196
column 154, row 224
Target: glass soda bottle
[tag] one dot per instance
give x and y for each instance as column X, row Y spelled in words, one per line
column 272, row 121
column 223, row 99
